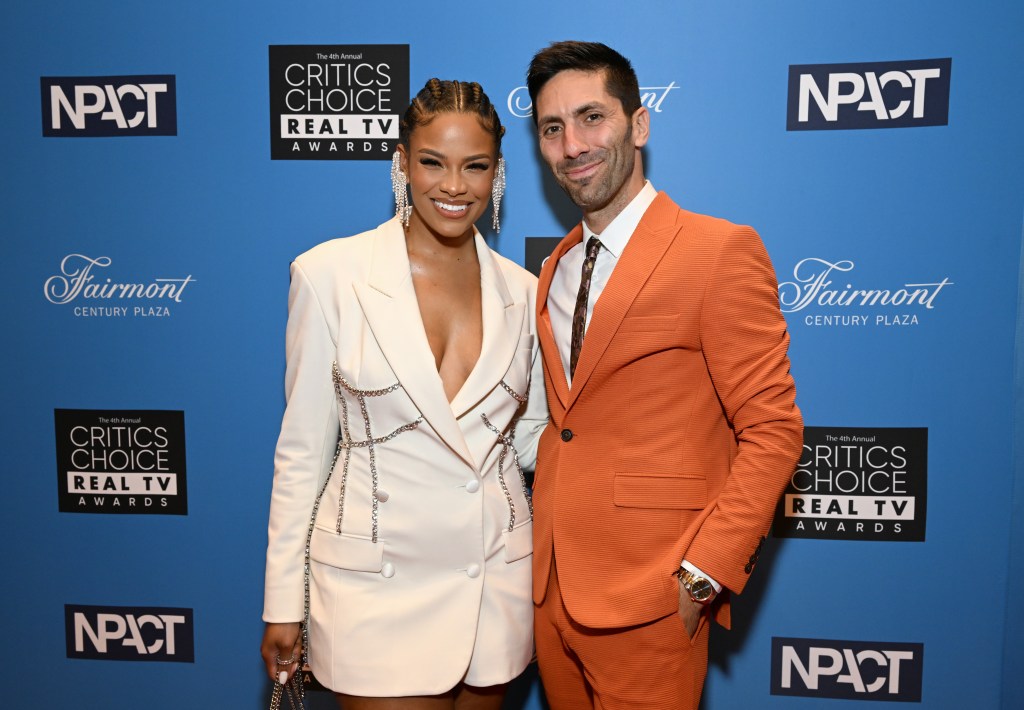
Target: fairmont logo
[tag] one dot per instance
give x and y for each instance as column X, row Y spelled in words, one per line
column 905, row 94
column 91, row 106
column 813, row 285
column 847, row 670
column 79, row 279
column 520, row 106
column 115, row 633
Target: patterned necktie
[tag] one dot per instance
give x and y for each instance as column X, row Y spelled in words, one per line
column 579, row 316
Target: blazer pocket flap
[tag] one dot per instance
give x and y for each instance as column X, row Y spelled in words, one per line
column 649, row 323
column 345, row 551
column 647, row 491
column 518, row 541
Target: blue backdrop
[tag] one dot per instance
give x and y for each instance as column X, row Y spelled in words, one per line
column 913, row 205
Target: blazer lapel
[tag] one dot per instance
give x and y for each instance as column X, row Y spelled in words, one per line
column 645, row 248
column 548, row 345
column 388, row 301
column 502, row 324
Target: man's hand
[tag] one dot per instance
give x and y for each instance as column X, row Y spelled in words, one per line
column 689, row 611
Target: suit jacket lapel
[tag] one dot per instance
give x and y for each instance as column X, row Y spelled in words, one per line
column 502, row 323
column 553, row 366
column 388, row 300
column 645, row 248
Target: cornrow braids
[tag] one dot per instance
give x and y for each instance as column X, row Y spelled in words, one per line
column 442, row 96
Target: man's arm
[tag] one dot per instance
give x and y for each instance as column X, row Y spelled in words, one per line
column 744, row 341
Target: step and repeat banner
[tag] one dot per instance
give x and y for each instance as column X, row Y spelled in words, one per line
column 164, row 163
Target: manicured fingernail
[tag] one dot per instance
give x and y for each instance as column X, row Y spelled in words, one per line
column 282, row 677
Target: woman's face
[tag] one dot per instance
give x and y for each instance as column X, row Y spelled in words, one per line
column 450, row 164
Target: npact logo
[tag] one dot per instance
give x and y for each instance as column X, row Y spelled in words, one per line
column 129, row 633
column 847, row 670
column 91, row 106
column 868, row 95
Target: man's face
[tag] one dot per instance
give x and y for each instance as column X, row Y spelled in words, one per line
column 588, row 141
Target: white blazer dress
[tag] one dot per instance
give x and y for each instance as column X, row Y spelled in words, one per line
column 414, row 510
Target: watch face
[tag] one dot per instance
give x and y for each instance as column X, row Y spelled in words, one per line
column 701, row 589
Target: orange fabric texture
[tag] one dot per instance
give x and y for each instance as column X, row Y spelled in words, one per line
column 653, row 666
column 680, row 429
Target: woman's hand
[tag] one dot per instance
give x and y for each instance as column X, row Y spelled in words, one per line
column 282, row 650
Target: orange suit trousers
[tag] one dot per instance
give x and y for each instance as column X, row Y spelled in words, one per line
column 651, row 666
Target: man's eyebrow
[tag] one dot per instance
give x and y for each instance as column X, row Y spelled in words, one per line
column 576, row 113
column 587, row 108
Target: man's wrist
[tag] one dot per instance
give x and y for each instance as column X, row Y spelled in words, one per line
column 686, row 564
column 702, row 589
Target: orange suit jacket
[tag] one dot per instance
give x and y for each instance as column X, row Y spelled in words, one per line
column 680, row 429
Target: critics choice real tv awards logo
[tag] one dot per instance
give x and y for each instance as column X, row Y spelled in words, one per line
column 96, row 106
column 123, row 461
column 826, row 295
column 81, row 285
column 857, row 484
column 847, row 670
column 337, row 102
column 119, row 633
column 905, row 94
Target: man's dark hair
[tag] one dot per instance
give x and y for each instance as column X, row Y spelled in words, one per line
column 620, row 79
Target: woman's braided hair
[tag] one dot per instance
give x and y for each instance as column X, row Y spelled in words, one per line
column 441, row 96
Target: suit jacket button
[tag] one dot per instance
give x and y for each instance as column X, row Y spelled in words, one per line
column 566, row 434
column 473, row 571
column 387, row 571
column 381, row 495
column 472, row 486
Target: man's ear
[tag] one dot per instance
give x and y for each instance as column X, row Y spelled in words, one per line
column 641, row 127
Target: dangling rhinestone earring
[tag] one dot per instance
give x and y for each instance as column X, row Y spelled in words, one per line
column 398, row 185
column 497, row 190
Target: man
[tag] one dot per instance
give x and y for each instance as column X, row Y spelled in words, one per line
column 673, row 424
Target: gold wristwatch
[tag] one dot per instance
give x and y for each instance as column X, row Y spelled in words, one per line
column 699, row 588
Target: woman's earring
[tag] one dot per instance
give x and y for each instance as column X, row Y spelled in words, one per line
column 497, row 190
column 398, row 186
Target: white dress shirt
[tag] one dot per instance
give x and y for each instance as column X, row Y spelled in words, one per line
column 565, row 284
column 569, row 270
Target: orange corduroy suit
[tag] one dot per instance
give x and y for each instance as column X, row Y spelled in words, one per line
column 680, row 429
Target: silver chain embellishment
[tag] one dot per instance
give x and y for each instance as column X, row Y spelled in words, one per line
column 370, row 443
column 507, row 444
column 346, row 444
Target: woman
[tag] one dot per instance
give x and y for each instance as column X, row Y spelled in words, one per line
column 409, row 356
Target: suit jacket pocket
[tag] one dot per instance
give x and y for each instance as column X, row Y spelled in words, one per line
column 649, row 323
column 518, row 541
column 346, row 551
column 652, row 491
